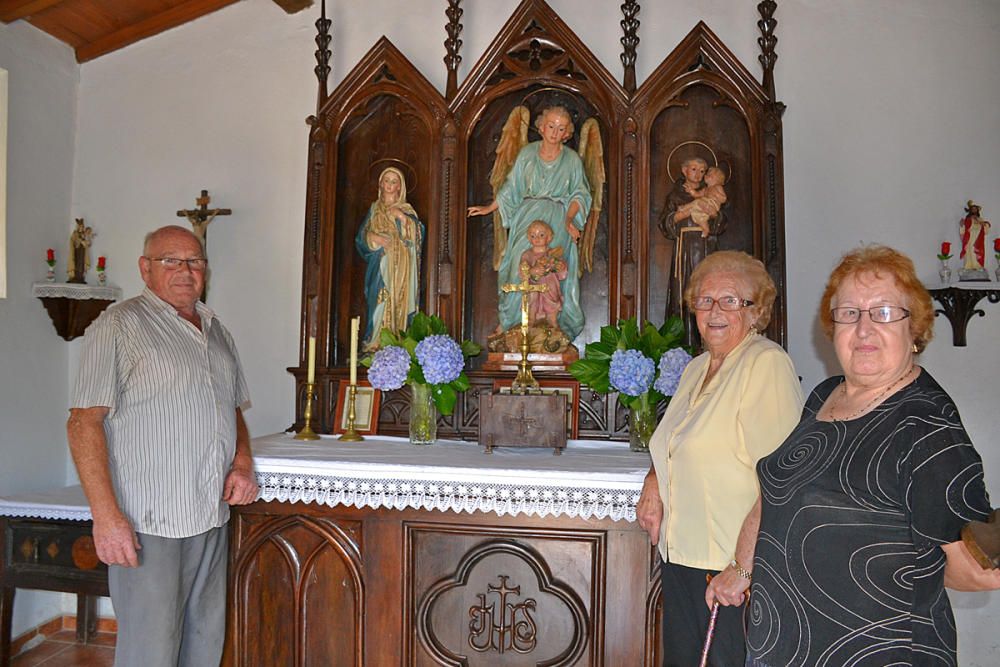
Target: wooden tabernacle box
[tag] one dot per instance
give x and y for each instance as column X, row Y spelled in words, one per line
column 522, row 420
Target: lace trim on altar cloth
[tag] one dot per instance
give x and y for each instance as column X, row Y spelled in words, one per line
column 501, row 499
column 76, row 291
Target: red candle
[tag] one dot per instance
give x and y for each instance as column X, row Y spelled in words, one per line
column 50, row 255
column 100, row 262
column 945, row 248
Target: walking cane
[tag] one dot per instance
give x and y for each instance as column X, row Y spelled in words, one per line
column 711, row 629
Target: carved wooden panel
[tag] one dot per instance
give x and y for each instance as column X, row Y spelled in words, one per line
column 313, row 580
column 503, row 596
column 316, row 585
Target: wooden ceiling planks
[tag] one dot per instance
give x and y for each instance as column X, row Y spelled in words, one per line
column 96, row 27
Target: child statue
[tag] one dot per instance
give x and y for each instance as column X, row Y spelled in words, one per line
column 542, row 265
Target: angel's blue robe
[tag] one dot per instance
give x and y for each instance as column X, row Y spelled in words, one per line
column 540, row 190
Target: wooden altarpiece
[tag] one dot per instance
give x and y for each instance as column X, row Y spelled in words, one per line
column 700, row 101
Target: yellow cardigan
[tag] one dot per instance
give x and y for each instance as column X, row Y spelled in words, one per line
column 706, row 448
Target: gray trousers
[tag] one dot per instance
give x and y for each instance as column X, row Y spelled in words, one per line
column 171, row 609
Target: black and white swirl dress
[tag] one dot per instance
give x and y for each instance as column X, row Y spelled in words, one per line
column 848, row 569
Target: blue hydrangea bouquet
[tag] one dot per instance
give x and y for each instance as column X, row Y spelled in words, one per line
column 644, row 367
column 425, row 357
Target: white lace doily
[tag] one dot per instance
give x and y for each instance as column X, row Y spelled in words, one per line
column 76, row 291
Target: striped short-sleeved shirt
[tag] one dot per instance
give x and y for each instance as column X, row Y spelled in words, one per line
column 172, row 391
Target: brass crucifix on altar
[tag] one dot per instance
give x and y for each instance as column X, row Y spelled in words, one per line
column 525, row 381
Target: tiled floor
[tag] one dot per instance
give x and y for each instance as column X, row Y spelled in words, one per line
column 62, row 650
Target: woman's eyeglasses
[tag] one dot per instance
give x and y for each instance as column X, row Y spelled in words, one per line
column 725, row 303
column 879, row 314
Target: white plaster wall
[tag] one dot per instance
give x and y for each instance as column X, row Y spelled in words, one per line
column 42, row 94
column 891, row 126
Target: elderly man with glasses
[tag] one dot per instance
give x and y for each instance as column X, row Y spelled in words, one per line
column 162, row 450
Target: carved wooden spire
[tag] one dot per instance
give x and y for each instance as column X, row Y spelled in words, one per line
column 323, row 53
column 630, row 26
column 452, row 46
column 767, row 42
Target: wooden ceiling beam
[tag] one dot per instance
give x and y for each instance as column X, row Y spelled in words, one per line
column 294, row 6
column 12, row 10
column 166, row 20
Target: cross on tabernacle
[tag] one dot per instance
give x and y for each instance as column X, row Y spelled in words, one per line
column 201, row 216
column 522, row 422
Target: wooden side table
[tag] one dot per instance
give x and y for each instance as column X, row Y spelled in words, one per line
column 46, row 544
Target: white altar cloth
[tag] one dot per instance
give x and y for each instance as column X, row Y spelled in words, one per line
column 66, row 503
column 590, row 479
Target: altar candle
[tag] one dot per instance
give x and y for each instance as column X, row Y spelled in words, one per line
column 355, row 325
column 311, row 372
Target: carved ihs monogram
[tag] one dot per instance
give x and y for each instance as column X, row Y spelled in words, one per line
column 502, row 625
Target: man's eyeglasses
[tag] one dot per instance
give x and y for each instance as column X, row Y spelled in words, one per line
column 879, row 314
column 173, row 263
column 729, row 303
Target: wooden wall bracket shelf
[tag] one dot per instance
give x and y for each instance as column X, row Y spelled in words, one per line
column 72, row 307
column 959, row 305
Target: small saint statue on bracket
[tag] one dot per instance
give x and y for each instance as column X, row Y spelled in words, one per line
column 974, row 231
column 79, row 252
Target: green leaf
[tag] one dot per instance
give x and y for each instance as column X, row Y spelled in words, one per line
column 628, row 401
column 599, row 351
column 366, row 360
column 420, row 327
column 416, row 374
column 387, row 338
column 610, row 335
column 470, row 349
column 444, row 398
column 461, row 383
column 592, row 373
column 630, row 334
column 436, row 325
column 673, row 330
column 410, row 345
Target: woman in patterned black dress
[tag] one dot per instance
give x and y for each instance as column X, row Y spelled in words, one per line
column 863, row 504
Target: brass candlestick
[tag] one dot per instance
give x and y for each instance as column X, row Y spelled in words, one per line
column 351, row 434
column 307, row 433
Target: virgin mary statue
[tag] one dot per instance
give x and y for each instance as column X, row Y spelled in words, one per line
column 390, row 240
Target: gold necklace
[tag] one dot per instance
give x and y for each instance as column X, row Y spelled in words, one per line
column 869, row 404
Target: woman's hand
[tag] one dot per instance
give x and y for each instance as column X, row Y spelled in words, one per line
column 649, row 509
column 473, row 211
column 963, row 573
column 728, row 588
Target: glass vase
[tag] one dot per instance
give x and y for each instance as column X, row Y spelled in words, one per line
column 944, row 273
column 423, row 415
column 641, row 424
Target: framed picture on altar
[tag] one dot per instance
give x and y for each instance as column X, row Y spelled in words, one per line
column 569, row 388
column 366, row 402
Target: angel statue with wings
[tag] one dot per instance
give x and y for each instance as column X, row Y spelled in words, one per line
column 545, row 180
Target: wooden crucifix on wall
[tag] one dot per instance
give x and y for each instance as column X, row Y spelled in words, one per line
column 200, row 218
